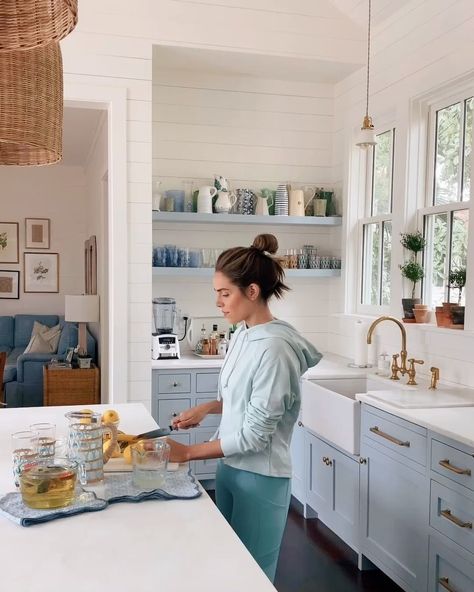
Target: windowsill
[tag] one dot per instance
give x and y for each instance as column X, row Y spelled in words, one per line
column 426, row 327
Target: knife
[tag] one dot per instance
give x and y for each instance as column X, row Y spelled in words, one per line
column 158, row 433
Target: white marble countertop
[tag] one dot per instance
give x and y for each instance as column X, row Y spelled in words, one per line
column 187, row 360
column 167, row 545
column 453, row 422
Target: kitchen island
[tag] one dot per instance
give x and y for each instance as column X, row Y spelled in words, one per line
column 155, row 545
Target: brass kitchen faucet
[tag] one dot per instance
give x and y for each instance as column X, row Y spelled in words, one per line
column 403, row 353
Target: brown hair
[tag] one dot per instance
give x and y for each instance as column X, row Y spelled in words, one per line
column 255, row 265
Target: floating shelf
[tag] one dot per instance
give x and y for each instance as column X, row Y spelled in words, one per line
column 242, row 219
column 208, row 272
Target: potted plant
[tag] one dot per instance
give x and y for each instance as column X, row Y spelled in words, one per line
column 457, row 281
column 414, row 242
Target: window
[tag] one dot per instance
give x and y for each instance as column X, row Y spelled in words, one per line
column 446, row 217
column 377, row 225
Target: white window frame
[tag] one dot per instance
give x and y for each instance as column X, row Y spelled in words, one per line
column 429, row 209
column 366, row 218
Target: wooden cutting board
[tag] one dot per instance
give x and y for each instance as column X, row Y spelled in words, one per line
column 118, row 465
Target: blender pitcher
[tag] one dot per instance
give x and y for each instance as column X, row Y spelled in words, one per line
column 164, row 315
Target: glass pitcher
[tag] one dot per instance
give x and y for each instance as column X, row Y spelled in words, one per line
column 85, row 444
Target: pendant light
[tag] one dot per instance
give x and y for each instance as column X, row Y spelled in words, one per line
column 25, row 24
column 366, row 137
column 31, row 100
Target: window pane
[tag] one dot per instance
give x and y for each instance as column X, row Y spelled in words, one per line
column 459, row 246
column 436, row 258
column 466, row 186
column 386, row 262
column 371, row 265
column 382, row 174
column 448, row 138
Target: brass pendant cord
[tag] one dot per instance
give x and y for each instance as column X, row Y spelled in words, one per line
column 368, row 62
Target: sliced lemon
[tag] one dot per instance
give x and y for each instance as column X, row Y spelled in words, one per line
column 111, row 416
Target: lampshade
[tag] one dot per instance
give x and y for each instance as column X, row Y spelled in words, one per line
column 25, row 24
column 82, row 309
column 31, row 106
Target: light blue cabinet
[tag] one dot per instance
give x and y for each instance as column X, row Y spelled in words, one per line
column 174, row 391
column 394, row 498
column 297, row 450
column 332, row 488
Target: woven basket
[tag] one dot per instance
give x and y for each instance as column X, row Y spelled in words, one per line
column 31, row 106
column 25, row 24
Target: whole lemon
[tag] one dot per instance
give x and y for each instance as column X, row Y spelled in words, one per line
column 110, row 416
column 127, row 454
column 86, row 412
column 116, row 453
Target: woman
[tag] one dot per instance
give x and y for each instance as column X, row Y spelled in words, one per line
column 259, row 398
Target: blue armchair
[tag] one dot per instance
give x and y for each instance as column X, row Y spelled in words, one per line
column 23, row 375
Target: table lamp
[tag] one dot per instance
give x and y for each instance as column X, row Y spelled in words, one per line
column 82, row 309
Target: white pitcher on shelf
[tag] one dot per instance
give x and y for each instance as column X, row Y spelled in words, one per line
column 204, row 202
column 225, row 202
column 261, row 209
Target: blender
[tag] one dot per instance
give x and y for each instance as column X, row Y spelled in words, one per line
column 165, row 344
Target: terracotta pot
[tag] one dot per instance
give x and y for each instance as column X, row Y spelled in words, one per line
column 421, row 307
column 422, row 315
column 441, row 319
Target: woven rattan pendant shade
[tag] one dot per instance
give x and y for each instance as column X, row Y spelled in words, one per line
column 31, row 106
column 25, row 24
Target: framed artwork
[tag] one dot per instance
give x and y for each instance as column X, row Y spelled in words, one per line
column 41, row 271
column 9, row 248
column 37, row 233
column 9, row 284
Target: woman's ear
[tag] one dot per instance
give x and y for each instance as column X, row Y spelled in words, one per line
column 253, row 292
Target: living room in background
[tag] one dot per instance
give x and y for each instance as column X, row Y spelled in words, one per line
column 375, row 227
column 445, row 217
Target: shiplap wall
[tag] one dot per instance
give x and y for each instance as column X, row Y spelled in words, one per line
column 112, row 47
column 257, row 133
column 424, row 47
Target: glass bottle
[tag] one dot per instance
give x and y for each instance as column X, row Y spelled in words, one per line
column 223, row 344
column 188, row 196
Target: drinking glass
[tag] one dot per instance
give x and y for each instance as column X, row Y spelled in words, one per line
column 183, row 257
column 46, row 439
column 24, row 451
column 150, row 462
column 188, row 196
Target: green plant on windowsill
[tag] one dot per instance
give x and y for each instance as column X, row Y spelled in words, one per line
column 414, row 242
column 457, row 281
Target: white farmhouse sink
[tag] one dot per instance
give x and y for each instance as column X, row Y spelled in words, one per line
column 330, row 409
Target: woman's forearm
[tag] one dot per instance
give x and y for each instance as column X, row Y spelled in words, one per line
column 214, row 407
column 205, row 450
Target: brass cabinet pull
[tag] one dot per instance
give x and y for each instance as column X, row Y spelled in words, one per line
column 452, row 518
column 447, row 465
column 445, row 583
column 375, row 430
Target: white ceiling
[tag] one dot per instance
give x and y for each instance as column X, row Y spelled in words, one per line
column 358, row 10
column 79, row 132
column 251, row 64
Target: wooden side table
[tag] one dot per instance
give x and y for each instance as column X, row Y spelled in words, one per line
column 71, row 386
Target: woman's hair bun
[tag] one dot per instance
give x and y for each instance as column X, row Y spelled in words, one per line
column 266, row 242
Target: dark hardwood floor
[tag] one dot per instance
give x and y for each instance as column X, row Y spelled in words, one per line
column 314, row 559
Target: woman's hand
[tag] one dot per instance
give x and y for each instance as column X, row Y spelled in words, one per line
column 179, row 452
column 190, row 418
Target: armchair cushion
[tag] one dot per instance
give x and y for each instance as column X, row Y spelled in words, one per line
column 24, row 327
column 6, row 333
column 10, row 367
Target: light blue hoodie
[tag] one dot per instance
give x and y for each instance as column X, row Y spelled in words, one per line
column 260, row 388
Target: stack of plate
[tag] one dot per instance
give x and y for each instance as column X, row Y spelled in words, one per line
column 281, row 201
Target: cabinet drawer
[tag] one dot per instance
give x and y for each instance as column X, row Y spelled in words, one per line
column 206, row 383
column 174, row 383
column 205, row 467
column 448, row 570
column 169, row 408
column 213, row 419
column 452, row 463
column 396, row 436
column 452, row 514
column 181, row 438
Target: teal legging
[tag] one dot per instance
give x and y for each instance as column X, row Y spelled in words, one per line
column 256, row 506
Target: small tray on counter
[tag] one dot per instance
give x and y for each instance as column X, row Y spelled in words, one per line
column 208, row 356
